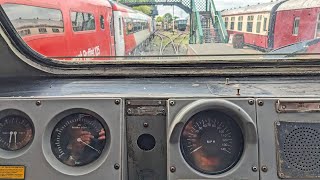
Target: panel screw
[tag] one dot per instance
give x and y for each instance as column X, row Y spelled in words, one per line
column 251, row 101
column 145, row 125
column 117, row 166
column 172, row 169
column 254, row 169
column 128, row 102
column 264, row 168
column 129, row 111
column 260, row 103
column 278, row 123
column 281, row 175
column 172, row 103
column 159, row 102
column 117, row 101
column 38, row 103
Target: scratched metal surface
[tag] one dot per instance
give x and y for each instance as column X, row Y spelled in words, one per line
column 169, row 87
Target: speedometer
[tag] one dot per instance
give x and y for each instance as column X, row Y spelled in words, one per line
column 79, row 139
column 211, row 142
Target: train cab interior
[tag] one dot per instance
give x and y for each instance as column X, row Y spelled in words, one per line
column 95, row 90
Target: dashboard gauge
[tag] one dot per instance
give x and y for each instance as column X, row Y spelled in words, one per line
column 16, row 132
column 79, row 139
column 211, row 142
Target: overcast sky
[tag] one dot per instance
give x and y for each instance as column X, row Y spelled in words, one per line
column 220, row 5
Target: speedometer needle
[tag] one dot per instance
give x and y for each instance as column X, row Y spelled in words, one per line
column 196, row 149
column 80, row 140
column 10, row 138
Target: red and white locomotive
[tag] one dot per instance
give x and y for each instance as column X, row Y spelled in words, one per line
column 276, row 24
column 78, row 28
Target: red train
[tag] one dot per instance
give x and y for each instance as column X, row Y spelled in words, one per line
column 78, row 28
column 276, row 24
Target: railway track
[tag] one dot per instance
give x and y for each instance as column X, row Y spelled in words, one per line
column 173, row 42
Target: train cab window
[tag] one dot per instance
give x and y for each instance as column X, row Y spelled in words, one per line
column 258, row 28
column 102, row 22
column 296, row 24
column 82, row 21
column 40, row 21
column 240, row 23
column 265, row 20
column 111, row 26
column 318, row 27
column 226, row 22
column 250, row 23
column 232, row 23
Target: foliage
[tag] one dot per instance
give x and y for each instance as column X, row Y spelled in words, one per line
column 160, row 19
column 145, row 9
column 168, row 17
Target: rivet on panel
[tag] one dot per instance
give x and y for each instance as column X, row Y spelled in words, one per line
column 260, row 103
column 38, row 103
column 172, row 103
column 172, row 169
column 117, row 101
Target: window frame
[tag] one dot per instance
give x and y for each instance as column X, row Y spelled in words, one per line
column 240, row 23
column 250, row 19
column 102, row 23
column 259, row 23
column 232, row 23
column 295, row 29
column 83, row 31
column 265, row 22
column 226, row 22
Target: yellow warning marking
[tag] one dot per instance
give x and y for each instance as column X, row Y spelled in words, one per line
column 12, row 172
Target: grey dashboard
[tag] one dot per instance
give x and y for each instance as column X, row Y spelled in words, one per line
column 273, row 124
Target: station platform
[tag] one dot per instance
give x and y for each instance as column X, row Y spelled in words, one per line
column 218, row 48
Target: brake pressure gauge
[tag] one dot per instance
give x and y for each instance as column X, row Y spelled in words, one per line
column 16, row 132
column 211, row 142
column 79, row 139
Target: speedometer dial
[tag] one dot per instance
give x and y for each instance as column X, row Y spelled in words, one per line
column 79, row 139
column 211, row 142
column 16, row 132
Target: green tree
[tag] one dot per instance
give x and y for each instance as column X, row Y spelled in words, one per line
column 167, row 17
column 145, row 9
column 176, row 17
column 159, row 19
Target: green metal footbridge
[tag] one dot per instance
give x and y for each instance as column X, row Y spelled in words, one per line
column 206, row 23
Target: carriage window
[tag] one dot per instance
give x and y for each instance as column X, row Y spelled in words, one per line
column 129, row 26
column 250, row 23
column 318, row 27
column 226, row 22
column 40, row 21
column 296, row 23
column 265, row 20
column 240, row 22
column 232, row 23
column 258, row 29
column 111, row 26
column 82, row 21
column 102, row 22
column 120, row 28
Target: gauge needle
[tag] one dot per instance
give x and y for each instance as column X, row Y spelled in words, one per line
column 196, row 149
column 80, row 140
column 15, row 137
column 10, row 138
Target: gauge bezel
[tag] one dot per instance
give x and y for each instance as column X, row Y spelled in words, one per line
column 239, row 154
column 7, row 154
column 184, row 109
column 57, row 164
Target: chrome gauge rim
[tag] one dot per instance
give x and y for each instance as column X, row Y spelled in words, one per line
column 211, row 142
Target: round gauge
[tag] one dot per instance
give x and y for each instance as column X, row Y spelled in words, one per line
column 211, row 142
column 15, row 132
column 79, row 139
